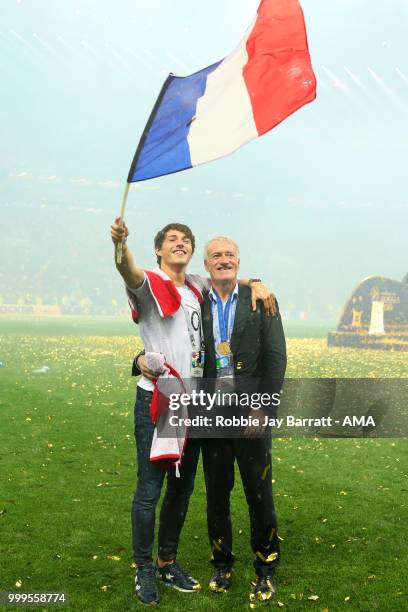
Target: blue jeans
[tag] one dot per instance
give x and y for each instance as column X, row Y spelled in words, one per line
column 150, row 480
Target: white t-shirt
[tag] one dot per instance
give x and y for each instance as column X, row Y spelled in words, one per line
column 169, row 335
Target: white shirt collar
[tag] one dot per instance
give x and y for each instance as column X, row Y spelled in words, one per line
column 213, row 295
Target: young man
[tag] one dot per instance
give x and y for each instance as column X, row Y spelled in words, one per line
column 240, row 343
column 167, row 302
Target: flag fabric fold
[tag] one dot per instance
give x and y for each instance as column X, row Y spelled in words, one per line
column 213, row 112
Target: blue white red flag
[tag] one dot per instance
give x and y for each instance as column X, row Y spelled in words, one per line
column 213, row 112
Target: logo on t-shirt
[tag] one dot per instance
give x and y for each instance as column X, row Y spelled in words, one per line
column 195, row 320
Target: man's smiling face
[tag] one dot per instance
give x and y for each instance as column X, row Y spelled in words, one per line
column 176, row 248
column 222, row 260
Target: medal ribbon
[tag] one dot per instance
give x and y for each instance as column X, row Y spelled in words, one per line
column 223, row 316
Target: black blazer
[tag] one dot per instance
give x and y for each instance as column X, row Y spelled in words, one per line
column 257, row 342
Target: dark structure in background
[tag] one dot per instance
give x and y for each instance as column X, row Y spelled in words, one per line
column 376, row 316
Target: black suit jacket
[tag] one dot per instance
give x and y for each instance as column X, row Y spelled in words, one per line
column 257, row 342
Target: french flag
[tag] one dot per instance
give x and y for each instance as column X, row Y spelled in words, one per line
column 213, row 112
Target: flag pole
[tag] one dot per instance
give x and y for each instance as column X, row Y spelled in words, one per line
column 118, row 249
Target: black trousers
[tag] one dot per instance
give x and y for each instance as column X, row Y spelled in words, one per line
column 254, row 462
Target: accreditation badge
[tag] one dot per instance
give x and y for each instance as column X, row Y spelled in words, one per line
column 225, row 382
column 225, row 366
column 197, row 364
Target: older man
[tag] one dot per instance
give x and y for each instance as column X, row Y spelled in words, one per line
column 240, row 343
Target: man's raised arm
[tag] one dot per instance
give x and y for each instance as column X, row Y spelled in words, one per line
column 131, row 274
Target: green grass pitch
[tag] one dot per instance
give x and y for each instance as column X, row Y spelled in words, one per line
column 67, row 474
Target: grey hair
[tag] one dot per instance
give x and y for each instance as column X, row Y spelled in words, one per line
column 226, row 238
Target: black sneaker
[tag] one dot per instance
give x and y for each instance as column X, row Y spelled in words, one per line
column 263, row 589
column 175, row 576
column 220, row 580
column 145, row 585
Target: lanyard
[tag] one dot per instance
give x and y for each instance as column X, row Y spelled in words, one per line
column 223, row 316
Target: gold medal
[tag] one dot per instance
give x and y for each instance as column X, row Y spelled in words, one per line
column 223, row 348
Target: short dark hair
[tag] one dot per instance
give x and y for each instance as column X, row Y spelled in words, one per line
column 161, row 235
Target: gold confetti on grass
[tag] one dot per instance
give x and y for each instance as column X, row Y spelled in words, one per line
column 313, row 597
column 113, row 557
column 77, row 353
column 19, row 583
column 311, row 357
column 70, row 358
